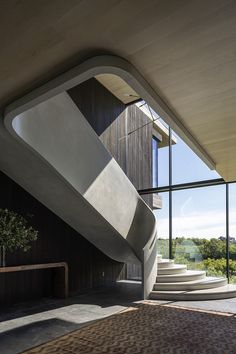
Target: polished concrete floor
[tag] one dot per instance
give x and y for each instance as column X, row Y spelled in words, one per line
column 30, row 324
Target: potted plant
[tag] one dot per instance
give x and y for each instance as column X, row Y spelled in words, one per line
column 15, row 233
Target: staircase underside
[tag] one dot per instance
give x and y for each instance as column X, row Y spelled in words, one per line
column 175, row 282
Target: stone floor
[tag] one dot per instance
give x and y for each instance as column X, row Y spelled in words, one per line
column 26, row 325
column 29, row 324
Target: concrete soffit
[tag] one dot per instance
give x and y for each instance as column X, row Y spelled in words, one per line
column 105, row 64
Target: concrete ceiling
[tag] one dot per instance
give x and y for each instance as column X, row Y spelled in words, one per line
column 185, row 49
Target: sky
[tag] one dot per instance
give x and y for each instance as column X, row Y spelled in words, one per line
column 198, row 212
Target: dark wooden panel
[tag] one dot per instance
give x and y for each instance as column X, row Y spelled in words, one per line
column 88, row 267
column 125, row 131
column 97, row 104
column 139, row 150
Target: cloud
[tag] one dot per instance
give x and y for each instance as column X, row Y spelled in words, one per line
column 206, row 224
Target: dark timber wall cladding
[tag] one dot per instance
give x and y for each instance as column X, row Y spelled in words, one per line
column 123, row 130
column 88, row 267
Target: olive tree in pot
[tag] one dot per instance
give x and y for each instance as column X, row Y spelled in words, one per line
column 15, row 233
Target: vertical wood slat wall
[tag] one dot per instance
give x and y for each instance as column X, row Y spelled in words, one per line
column 88, row 267
column 113, row 121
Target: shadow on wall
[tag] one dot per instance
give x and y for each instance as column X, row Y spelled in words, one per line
column 57, row 131
column 103, row 108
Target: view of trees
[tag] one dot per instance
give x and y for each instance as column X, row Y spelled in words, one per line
column 202, row 254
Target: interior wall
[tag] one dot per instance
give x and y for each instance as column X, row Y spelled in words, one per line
column 88, row 267
column 124, row 130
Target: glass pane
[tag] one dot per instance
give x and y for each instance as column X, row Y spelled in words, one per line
column 187, row 166
column 163, row 166
column 163, row 154
column 232, row 233
column 162, row 217
column 154, row 162
column 199, row 224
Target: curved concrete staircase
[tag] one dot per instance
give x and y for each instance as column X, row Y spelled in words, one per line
column 54, row 154
column 175, row 282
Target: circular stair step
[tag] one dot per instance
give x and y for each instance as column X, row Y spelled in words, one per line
column 206, row 283
column 175, row 269
column 165, row 263
column 187, row 276
column 224, row 292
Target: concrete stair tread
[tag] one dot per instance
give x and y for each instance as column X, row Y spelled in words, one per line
column 189, row 272
column 228, row 287
column 174, row 269
column 165, row 263
column 200, row 281
column 176, row 266
column 226, row 291
column 206, row 283
column 166, row 260
column 187, row 276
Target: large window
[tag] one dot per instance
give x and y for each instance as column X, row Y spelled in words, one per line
column 199, row 229
column 197, row 222
column 187, row 166
column 162, row 216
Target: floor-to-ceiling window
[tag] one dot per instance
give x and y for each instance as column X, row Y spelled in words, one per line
column 197, row 222
column 163, row 225
column 199, row 229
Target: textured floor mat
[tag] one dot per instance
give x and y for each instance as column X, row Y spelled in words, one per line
column 150, row 329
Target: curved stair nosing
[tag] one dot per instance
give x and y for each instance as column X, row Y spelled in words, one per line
column 175, row 269
column 187, row 286
column 165, row 264
column 224, row 292
column 187, row 276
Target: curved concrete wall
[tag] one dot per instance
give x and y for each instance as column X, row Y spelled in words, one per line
column 56, row 156
column 60, row 134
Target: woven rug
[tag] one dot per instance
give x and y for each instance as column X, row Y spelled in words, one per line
column 150, row 329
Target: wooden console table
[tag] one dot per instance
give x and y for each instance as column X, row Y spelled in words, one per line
column 60, row 275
